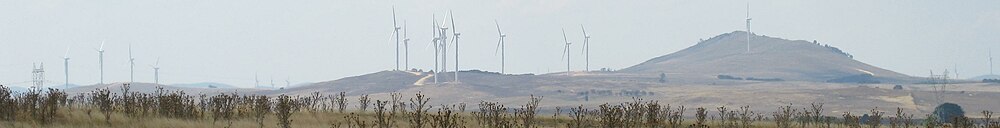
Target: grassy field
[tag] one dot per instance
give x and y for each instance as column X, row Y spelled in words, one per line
column 176, row 109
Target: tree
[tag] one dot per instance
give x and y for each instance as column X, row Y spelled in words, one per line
column 946, row 112
column 663, row 77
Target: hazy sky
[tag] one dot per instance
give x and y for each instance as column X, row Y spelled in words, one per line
column 319, row 40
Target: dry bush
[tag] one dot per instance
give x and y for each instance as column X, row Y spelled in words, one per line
column 8, row 106
column 783, row 117
column 102, row 101
column 578, row 119
column 341, row 101
column 446, row 117
column 363, row 102
column 526, row 114
column 851, row 121
column 611, row 115
column 382, row 118
column 700, row 114
column 674, row 116
column 746, row 117
column 988, row 121
column 817, row 115
column 418, row 108
column 283, row 110
column 492, row 114
column 261, row 107
column 875, row 118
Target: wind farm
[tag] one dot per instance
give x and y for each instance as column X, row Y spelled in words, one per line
column 689, row 64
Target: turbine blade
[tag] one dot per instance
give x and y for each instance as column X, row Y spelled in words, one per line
column 498, row 27
column 393, row 17
column 393, row 33
column 563, row 57
column 498, row 46
column 444, row 21
column 157, row 64
column 566, row 40
column 102, row 45
column 452, row 16
column 67, row 52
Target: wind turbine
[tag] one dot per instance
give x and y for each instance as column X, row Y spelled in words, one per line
column 406, row 48
column 288, row 82
column 500, row 46
column 395, row 32
column 748, row 27
column 443, row 35
column 990, row 52
column 586, row 47
column 66, row 64
column 156, row 72
column 131, row 64
column 256, row 82
column 454, row 31
column 566, row 50
column 101, row 62
column 437, row 49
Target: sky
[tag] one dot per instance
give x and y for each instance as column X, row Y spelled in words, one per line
column 229, row 41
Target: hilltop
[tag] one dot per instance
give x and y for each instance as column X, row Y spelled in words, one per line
column 769, row 58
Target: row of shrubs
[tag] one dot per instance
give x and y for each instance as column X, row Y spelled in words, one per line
column 43, row 106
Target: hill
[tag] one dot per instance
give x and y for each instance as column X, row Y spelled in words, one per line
column 769, row 58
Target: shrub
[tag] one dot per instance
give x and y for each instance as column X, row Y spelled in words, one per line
column 283, row 110
column 947, row 112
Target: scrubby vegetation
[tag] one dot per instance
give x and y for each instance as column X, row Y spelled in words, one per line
column 103, row 108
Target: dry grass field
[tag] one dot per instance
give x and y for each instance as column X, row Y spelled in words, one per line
column 102, row 108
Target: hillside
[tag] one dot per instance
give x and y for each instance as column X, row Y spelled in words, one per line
column 769, row 57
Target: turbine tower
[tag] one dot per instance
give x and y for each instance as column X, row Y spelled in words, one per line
column 443, row 35
column 406, row 48
column 566, row 50
column 586, row 47
column 500, row 46
column 101, row 62
column 156, row 72
column 131, row 64
column 66, row 64
column 748, row 27
column 395, row 32
column 455, row 32
column 437, row 48
column 990, row 52
column 256, row 82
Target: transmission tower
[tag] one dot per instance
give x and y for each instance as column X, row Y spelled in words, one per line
column 38, row 76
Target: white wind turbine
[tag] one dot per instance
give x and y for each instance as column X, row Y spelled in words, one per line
column 406, row 48
column 101, row 62
column 443, row 38
column 455, row 32
column 748, row 27
column 500, row 46
column 586, row 47
column 566, row 50
column 395, row 32
column 156, row 72
column 66, row 68
column 990, row 52
column 437, row 48
column 256, row 83
column 131, row 64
